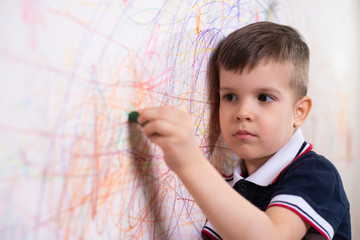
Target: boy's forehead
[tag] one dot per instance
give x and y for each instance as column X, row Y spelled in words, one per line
column 266, row 74
column 266, row 66
column 287, row 65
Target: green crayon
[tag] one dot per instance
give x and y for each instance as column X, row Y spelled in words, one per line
column 133, row 116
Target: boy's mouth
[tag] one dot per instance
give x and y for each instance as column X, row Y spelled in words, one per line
column 243, row 134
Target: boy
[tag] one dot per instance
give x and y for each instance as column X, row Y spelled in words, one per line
column 257, row 84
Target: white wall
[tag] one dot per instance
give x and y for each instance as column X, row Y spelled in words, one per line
column 72, row 70
column 332, row 30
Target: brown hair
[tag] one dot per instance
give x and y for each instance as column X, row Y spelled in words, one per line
column 244, row 49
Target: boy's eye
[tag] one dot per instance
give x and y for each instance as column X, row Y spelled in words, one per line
column 265, row 98
column 229, row 97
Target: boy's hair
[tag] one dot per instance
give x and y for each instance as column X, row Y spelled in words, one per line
column 244, row 49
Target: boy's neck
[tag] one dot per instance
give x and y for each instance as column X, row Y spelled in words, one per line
column 252, row 165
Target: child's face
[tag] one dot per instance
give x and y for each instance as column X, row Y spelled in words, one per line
column 257, row 110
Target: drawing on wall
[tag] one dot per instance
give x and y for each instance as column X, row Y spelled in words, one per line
column 71, row 166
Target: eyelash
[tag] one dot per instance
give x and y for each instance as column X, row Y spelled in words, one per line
column 227, row 96
column 268, row 98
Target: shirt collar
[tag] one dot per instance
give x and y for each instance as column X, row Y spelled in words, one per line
column 268, row 172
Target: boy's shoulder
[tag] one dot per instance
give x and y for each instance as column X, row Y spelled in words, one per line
column 312, row 186
column 313, row 163
column 313, row 159
column 315, row 171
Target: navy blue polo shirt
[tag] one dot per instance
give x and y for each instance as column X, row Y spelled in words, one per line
column 302, row 181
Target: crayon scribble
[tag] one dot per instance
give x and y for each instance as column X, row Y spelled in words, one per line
column 71, row 165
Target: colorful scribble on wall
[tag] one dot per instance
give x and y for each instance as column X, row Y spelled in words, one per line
column 71, row 166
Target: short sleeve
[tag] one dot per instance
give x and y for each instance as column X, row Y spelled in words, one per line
column 312, row 188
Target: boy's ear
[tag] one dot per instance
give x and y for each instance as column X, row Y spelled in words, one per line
column 302, row 110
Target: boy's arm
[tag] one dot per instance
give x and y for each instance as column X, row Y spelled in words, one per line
column 232, row 215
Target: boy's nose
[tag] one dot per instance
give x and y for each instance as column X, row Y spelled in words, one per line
column 244, row 116
column 245, row 113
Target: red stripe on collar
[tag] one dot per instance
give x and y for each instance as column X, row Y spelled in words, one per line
column 308, row 149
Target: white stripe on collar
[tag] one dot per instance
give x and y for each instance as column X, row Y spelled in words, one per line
column 266, row 174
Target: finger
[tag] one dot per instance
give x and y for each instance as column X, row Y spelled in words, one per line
column 158, row 113
column 159, row 128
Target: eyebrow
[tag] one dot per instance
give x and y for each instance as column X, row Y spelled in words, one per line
column 225, row 89
column 270, row 89
column 265, row 90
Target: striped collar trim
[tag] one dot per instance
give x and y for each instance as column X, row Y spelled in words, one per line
column 269, row 172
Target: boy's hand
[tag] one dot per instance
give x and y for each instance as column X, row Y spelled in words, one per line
column 172, row 130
